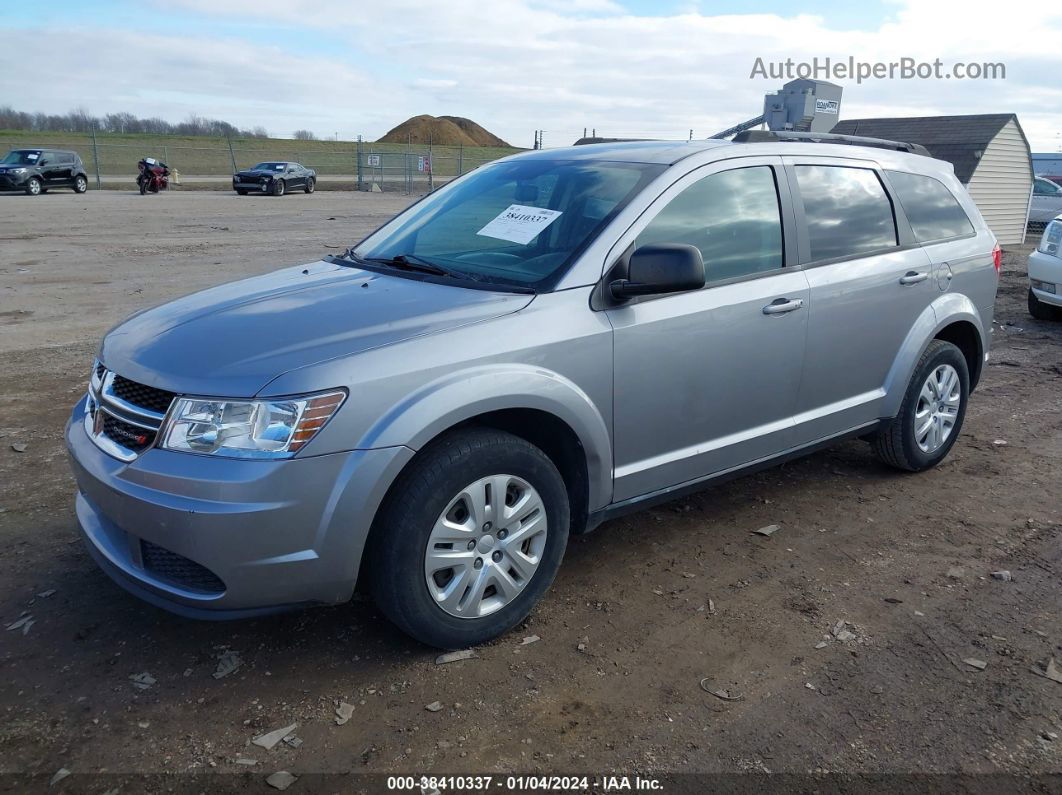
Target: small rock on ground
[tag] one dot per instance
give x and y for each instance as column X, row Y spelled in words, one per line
column 281, row 780
column 269, row 739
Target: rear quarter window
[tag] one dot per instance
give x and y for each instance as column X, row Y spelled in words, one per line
column 932, row 209
column 847, row 211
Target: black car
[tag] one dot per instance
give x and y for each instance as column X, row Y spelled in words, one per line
column 274, row 177
column 37, row 170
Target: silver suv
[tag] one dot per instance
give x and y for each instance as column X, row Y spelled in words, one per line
column 540, row 345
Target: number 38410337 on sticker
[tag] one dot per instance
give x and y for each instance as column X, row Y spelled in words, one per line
column 519, row 224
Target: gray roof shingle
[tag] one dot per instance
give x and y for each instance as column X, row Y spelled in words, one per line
column 958, row 139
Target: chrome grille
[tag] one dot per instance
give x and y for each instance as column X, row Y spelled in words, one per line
column 123, row 417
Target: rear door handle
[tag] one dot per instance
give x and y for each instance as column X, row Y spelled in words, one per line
column 913, row 277
column 780, row 305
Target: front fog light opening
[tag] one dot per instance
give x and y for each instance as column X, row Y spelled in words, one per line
column 249, row 428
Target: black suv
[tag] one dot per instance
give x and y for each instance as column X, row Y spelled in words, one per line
column 37, row 170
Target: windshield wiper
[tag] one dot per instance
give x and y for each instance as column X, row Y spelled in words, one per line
column 411, row 262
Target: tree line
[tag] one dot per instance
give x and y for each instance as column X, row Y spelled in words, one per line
column 81, row 121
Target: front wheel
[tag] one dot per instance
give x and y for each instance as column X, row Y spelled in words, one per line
column 279, row 187
column 143, row 186
column 931, row 415
column 1041, row 311
column 311, row 184
column 241, row 192
column 34, row 187
column 469, row 539
column 80, row 185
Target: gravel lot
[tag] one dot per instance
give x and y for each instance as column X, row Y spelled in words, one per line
column 643, row 610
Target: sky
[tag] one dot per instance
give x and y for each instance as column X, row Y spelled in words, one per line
column 625, row 68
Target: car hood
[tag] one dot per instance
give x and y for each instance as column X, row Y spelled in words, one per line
column 234, row 339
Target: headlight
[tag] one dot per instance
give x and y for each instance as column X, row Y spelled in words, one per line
column 18, row 171
column 1051, row 242
column 248, row 428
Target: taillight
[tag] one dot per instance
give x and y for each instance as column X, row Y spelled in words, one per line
column 997, row 257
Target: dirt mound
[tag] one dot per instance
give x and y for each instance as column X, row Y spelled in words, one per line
column 481, row 136
column 442, row 131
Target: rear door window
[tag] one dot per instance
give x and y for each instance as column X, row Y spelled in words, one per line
column 847, row 211
column 932, row 209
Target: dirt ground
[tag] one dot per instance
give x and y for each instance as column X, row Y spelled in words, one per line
column 643, row 610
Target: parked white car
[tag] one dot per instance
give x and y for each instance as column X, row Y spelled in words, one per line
column 1046, row 201
column 1045, row 274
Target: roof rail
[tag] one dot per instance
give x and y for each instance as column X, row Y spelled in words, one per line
column 778, row 136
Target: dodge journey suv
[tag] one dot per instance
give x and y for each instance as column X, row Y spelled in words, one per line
column 547, row 342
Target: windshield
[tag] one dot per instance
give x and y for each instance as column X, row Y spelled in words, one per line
column 520, row 222
column 269, row 167
column 21, row 157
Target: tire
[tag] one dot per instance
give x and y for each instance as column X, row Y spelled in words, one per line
column 80, row 184
column 241, row 192
column 143, row 186
column 34, row 186
column 436, row 485
column 900, row 443
column 279, row 187
column 1041, row 311
column 311, row 184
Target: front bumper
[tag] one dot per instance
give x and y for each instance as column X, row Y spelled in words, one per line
column 260, row 186
column 1046, row 268
column 274, row 534
column 10, row 181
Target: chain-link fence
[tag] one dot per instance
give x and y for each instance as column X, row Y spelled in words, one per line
column 410, row 168
column 416, row 169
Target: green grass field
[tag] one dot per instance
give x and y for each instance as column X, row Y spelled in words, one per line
column 207, row 156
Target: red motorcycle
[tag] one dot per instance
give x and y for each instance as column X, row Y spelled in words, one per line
column 153, row 177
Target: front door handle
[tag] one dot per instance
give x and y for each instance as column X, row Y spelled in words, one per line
column 913, row 277
column 780, row 305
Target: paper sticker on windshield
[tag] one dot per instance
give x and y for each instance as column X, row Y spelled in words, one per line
column 32, row 156
column 519, row 224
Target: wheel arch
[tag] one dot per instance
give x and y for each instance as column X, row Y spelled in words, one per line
column 953, row 318
column 538, row 405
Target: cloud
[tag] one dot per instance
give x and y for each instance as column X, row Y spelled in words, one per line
column 543, row 64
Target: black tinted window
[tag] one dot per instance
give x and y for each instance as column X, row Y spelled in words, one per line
column 931, row 208
column 732, row 217
column 846, row 209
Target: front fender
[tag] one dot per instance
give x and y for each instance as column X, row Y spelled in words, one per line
column 460, row 396
column 947, row 309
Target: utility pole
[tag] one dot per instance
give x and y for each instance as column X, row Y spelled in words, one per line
column 96, row 157
column 232, row 155
column 361, row 181
column 691, row 135
column 431, row 170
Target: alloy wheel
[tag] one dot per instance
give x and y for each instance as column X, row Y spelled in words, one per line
column 485, row 546
column 938, row 408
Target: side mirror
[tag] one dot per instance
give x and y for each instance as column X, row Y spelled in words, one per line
column 43, row 162
column 658, row 269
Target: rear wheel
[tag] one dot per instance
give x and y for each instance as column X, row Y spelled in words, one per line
column 1041, row 311
column 311, row 184
column 931, row 415
column 470, row 537
column 80, row 184
column 34, row 187
column 279, row 187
